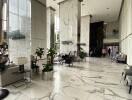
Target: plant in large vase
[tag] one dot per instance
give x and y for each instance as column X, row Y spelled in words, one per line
column 48, row 68
column 39, row 52
column 50, row 60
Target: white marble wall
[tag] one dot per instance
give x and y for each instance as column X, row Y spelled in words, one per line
column 50, row 26
column 38, row 37
column 68, row 25
column 20, row 19
column 0, row 20
column 85, row 32
column 126, row 30
column 109, row 29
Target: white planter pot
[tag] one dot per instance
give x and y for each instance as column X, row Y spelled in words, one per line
column 47, row 75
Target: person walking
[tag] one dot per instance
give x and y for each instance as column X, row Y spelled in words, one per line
column 109, row 51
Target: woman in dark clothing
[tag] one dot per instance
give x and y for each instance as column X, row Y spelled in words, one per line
column 109, row 51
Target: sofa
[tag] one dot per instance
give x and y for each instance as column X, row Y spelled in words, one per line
column 121, row 58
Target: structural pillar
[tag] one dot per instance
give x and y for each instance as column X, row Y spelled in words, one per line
column 20, row 30
column 39, row 24
column 1, row 6
column 70, row 17
column 50, row 27
column 85, row 32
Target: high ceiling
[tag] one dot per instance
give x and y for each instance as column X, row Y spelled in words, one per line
column 101, row 10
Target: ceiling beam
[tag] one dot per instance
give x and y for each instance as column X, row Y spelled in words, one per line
column 67, row 0
column 41, row 3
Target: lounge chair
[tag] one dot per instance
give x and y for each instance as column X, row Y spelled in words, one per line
column 129, row 82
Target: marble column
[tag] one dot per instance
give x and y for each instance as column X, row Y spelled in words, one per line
column 85, row 32
column 70, row 12
column 1, row 3
column 125, row 30
column 20, row 30
column 38, row 22
column 50, row 27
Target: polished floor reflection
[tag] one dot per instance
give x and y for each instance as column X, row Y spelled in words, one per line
column 96, row 79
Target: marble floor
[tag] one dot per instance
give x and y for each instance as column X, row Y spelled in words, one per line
column 95, row 79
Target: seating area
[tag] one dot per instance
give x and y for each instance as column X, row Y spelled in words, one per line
column 127, row 76
column 121, row 58
column 129, row 82
column 72, row 57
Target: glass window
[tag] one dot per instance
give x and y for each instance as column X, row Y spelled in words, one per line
column 13, row 6
column 22, row 7
column 4, row 11
column 13, row 22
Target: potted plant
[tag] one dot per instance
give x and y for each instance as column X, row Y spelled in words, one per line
column 50, row 55
column 48, row 71
column 39, row 52
column 50, row 58
column 82, row 54
column 47, row 67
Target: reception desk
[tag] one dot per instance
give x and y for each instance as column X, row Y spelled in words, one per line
column 10, row 75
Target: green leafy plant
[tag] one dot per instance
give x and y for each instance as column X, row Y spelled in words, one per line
column 51, row 52
column 82, row 54
column 47, row 67
column 50, row 58
column 50, row 55
column 39, row 52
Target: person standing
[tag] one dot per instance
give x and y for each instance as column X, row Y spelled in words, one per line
column 109, row 51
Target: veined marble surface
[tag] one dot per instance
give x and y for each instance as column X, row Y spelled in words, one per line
column 96, row 79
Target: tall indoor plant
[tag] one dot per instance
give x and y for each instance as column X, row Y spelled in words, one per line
column 51, row 54
column 50, row 60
